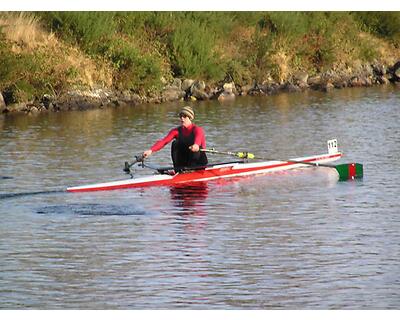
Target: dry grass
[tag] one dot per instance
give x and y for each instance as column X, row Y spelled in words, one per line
column 27, row 36
column 25, row 32
column 228, row 48
column 282, row 62
column 89, row 72
column 386, row 51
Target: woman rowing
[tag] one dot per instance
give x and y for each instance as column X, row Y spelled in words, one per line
column 188, row 138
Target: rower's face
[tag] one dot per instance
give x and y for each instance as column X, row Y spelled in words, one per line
column 185, row 120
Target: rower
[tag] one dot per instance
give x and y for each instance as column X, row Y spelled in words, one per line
column 187, row 139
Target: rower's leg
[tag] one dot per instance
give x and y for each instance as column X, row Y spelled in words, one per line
column 179, row 159
column 174, row 153
column 197, row 159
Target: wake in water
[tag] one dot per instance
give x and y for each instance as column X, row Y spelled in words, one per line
column 25, row 194
column 93, row 209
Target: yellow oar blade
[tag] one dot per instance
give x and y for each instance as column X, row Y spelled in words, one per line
column 245, row 155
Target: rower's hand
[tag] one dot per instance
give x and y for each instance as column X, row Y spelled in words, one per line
column 194, row 148
column 147, row 153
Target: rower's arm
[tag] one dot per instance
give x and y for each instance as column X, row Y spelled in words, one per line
column 200, row 137
column 164, row 141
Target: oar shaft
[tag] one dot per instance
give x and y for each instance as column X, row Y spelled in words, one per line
column 311, row 163
column 218, row 152
column 345, row 171
column 242, row 155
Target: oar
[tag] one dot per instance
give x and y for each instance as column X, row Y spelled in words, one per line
column 346, row 171
column 127, row 166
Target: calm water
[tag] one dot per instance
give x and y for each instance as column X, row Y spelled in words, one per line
column 293, row 240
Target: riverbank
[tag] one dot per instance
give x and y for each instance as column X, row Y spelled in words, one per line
column 192, row 90
column 55, row 61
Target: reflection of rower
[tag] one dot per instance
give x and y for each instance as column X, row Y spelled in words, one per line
column 188, row 196
column 188, row 140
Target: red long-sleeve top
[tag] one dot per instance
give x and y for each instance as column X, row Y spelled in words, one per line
column 199, row 137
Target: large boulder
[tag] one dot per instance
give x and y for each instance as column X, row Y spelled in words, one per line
column 17, row 107
column 197, row 90
column 174, row 91
column 187, row 84
column 314, row 82
column 200, row 94
column 173, row 94
column 300, row 79
column 127, row 97
column 228, row 93
column 197, row 85
column 229, row 87
column 83, row 100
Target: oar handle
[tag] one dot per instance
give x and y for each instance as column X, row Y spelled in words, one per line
column 127, row 166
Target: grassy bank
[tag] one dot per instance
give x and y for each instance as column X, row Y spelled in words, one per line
column 53, row 52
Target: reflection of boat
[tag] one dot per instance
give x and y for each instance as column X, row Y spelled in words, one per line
column 213, row 171
column 189, row 195
column 189, row 192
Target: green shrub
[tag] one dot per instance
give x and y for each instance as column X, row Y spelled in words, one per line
column 87, row 29
column 384, row 24
column 238, row 73
column 288, row 24
column 7, row 64
column 192, row 47
column 133, row 70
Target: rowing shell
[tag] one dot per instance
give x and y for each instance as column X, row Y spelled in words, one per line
column 211, row 172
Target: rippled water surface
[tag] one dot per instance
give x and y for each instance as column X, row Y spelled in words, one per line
column 293, row 240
